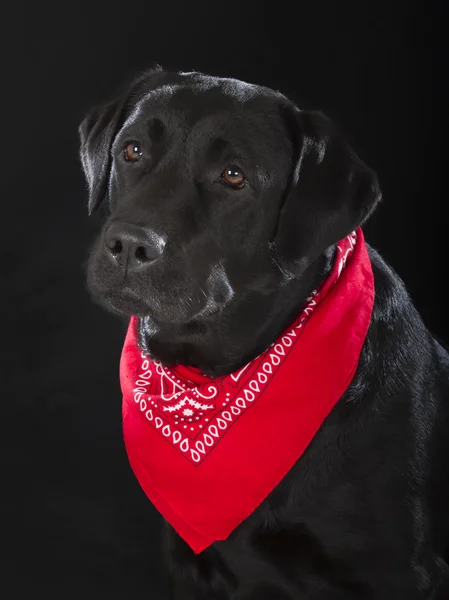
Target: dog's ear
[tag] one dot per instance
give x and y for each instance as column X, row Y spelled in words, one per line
column 331, row 192
column 97, row 132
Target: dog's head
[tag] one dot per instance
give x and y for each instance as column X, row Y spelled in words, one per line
column 217, row 190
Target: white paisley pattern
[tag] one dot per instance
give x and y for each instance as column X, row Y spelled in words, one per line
column 195, row 417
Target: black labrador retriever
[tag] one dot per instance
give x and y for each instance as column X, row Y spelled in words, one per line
column 202, row 172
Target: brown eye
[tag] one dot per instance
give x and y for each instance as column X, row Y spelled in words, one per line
column 132, row 151
column 234, row 176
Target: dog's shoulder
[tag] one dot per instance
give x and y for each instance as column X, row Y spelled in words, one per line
column 396, row 322
column 401, row 366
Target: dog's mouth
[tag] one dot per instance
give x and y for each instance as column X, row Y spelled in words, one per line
column 179, row 309
column 124, row 302
column 172, row 297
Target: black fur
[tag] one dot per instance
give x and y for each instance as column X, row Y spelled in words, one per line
column 216, row 273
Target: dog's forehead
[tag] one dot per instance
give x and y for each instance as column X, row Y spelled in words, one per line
column 193, row 97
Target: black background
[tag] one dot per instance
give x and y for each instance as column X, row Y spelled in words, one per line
column 74, row 521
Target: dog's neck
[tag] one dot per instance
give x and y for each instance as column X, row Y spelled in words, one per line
column 219, row 346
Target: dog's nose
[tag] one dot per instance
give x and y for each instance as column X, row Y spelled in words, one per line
column 132, row 246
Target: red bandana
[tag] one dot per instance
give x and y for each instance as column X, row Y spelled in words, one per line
column 208, row 451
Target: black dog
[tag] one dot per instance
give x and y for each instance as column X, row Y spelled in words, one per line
column 226, row 202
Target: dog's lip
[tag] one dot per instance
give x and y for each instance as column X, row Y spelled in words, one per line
column 116, row 300
column 123, row 293
column 129, row 291
column 144, row 308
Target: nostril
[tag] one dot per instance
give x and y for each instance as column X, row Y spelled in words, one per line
column 115, row 246
column 141, row 254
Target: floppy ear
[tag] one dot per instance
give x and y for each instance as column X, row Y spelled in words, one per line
column 331, row 193
column 97, row 133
